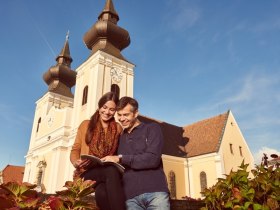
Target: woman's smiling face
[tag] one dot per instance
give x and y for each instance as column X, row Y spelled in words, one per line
column 107, row 111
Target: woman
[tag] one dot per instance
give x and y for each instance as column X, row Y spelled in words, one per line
column 99, row 137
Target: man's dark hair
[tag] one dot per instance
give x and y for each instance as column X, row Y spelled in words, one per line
column 125, row 101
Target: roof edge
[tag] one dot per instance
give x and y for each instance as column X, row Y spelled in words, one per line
column 223, row 132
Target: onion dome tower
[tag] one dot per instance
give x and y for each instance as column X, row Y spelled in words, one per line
column 106, row 35
column 60, row 78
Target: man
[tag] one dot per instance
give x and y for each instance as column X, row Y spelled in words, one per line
column 139, row 151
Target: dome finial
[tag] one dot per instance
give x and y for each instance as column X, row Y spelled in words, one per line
column 67, row 36
column 60, row 77
column 106, row 35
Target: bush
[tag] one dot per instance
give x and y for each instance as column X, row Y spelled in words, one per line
column 14, row 196
column 238, row 191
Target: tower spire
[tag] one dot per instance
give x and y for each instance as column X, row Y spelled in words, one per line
column 60, row 78
column 67, row 36
column 109, row 9
column 64, row 56
column 106, row 35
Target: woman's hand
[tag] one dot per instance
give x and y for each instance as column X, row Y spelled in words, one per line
column 82, row 164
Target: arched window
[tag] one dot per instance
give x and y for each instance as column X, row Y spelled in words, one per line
column 85, row 95
column 115, row 89
column 41, row 168
column 40, row 176
column 172, row 184
column 38, row 124
column 203, row 181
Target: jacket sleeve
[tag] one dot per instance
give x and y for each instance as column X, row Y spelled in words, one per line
column 150, row 158
column 76, row 148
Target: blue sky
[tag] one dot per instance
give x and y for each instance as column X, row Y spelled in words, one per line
column 194, row 60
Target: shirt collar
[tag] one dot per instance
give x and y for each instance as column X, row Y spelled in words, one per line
column 136, row 127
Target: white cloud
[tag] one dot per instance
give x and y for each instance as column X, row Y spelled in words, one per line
column 186, row 18
column 254, row 100
column 8, row 116
column 256, row 91
column 264, row 150
column 267, row 25
column 5, row 113
column 232, row 52
column 182, row 15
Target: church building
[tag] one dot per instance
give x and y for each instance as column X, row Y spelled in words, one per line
column 194, row 156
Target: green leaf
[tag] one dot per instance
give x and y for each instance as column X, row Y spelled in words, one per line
column 228, row 204
column 12, row 187
column 31, row 202
column 257, row 206
column 247, row 205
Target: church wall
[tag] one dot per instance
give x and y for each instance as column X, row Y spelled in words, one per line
column 59, row 161
column 69, row 169
column 54, row 129
column 129, row 83
column 234, row 147
column 53, row 177
column 48, row 174
column 176, row 165
column 56, row 123
column 95, row 73
column 204, row 163
column 86, row 76
column 187, row 173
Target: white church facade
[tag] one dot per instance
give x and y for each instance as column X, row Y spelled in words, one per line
column 194, row 155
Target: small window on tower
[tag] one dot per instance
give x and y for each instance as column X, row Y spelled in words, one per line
column 85, row 95
column 231, row 148
column 240, row 151
column 38, row 124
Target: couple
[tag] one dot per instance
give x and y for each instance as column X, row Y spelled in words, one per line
column 134, row 144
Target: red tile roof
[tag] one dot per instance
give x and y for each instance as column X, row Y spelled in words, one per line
column 205, row 136
column 13, row 173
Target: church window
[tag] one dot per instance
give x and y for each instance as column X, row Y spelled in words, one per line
column 231, row 148
column 41, row 168
column 85, row 95
column 38, row 124
column 39, row 177
column 115, row 89
column 172, row 184
column 240, row 151
column 203, row 181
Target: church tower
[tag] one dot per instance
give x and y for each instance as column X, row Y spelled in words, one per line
column 106, row 69
column 52, row 122
column 59, row 113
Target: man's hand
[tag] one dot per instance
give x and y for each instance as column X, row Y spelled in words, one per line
column 114, row 158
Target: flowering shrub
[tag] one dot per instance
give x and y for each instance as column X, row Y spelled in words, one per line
column 14, row 196
column 237, row 191
column 19, row 196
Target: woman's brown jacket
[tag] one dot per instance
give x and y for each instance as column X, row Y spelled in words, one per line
column 80, row 147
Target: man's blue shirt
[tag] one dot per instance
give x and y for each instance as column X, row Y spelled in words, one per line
column 141, row 151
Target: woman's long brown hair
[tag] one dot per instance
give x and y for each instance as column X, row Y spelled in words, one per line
column 110, row 96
